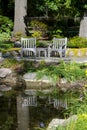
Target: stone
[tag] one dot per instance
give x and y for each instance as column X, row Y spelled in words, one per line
column 61, row 122
column 72, row 118
column 17, row 44
column 7, row 55
column 4, row 88
column 4, row 72
column 14, row 53
column 55, row 123
column 32, row 81
column 63, row 80
column 10, row 78
column 29, row 76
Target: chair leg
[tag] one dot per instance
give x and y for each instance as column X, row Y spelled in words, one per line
column 21, row 54
column 49, row 54
column 45, row 53
column 63, row 54
column 60, row 55
column 35, row 57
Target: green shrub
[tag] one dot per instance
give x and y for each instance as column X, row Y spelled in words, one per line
column 77, row 42
column 57, row 33
column 5, row 45
column 43, row 44
column 6, row 25
column 77, row 105
column 81, row 123
column 37, row 34
column 39, row 26
column 4, row 36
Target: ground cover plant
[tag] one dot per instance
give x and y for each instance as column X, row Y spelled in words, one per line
column 71, row 71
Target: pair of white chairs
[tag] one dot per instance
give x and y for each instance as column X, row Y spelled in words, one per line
column 58, row 46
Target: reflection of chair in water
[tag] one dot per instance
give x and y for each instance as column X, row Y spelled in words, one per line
column 30, row 100
column 58, row 46
column 28, row 47
column 60, row 103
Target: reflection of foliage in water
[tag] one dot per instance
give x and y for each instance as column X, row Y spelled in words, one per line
column 8, row 111
column 8, row 124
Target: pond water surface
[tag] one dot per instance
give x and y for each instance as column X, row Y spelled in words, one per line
column 16, row 113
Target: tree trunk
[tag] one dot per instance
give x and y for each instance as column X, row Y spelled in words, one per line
column 19, row 18
column 83, row 26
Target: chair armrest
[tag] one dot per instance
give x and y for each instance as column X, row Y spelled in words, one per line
column 50, row 45
column 63, row 47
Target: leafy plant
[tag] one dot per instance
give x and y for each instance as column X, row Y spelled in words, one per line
column 70, row 71
column 6, row 24
column 81, row 122
column 4, row 36
column 57, row 33
column 77, row 105
column 37, row 34
column 77, row 42
column 38, row 27
column 5, row 45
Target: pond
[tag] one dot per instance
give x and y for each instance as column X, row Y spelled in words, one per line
column 19, row 111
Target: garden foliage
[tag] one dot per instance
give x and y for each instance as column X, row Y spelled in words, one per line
column 77, row 42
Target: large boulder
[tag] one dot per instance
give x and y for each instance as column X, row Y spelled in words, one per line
column 32, row 81
column 61, row 122
column 9, row 78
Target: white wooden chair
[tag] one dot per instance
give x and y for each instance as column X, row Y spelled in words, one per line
column 58, row 46
column 28, row 47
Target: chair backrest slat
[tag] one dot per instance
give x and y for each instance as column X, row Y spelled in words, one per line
column 59, row 42
column 28, row 42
